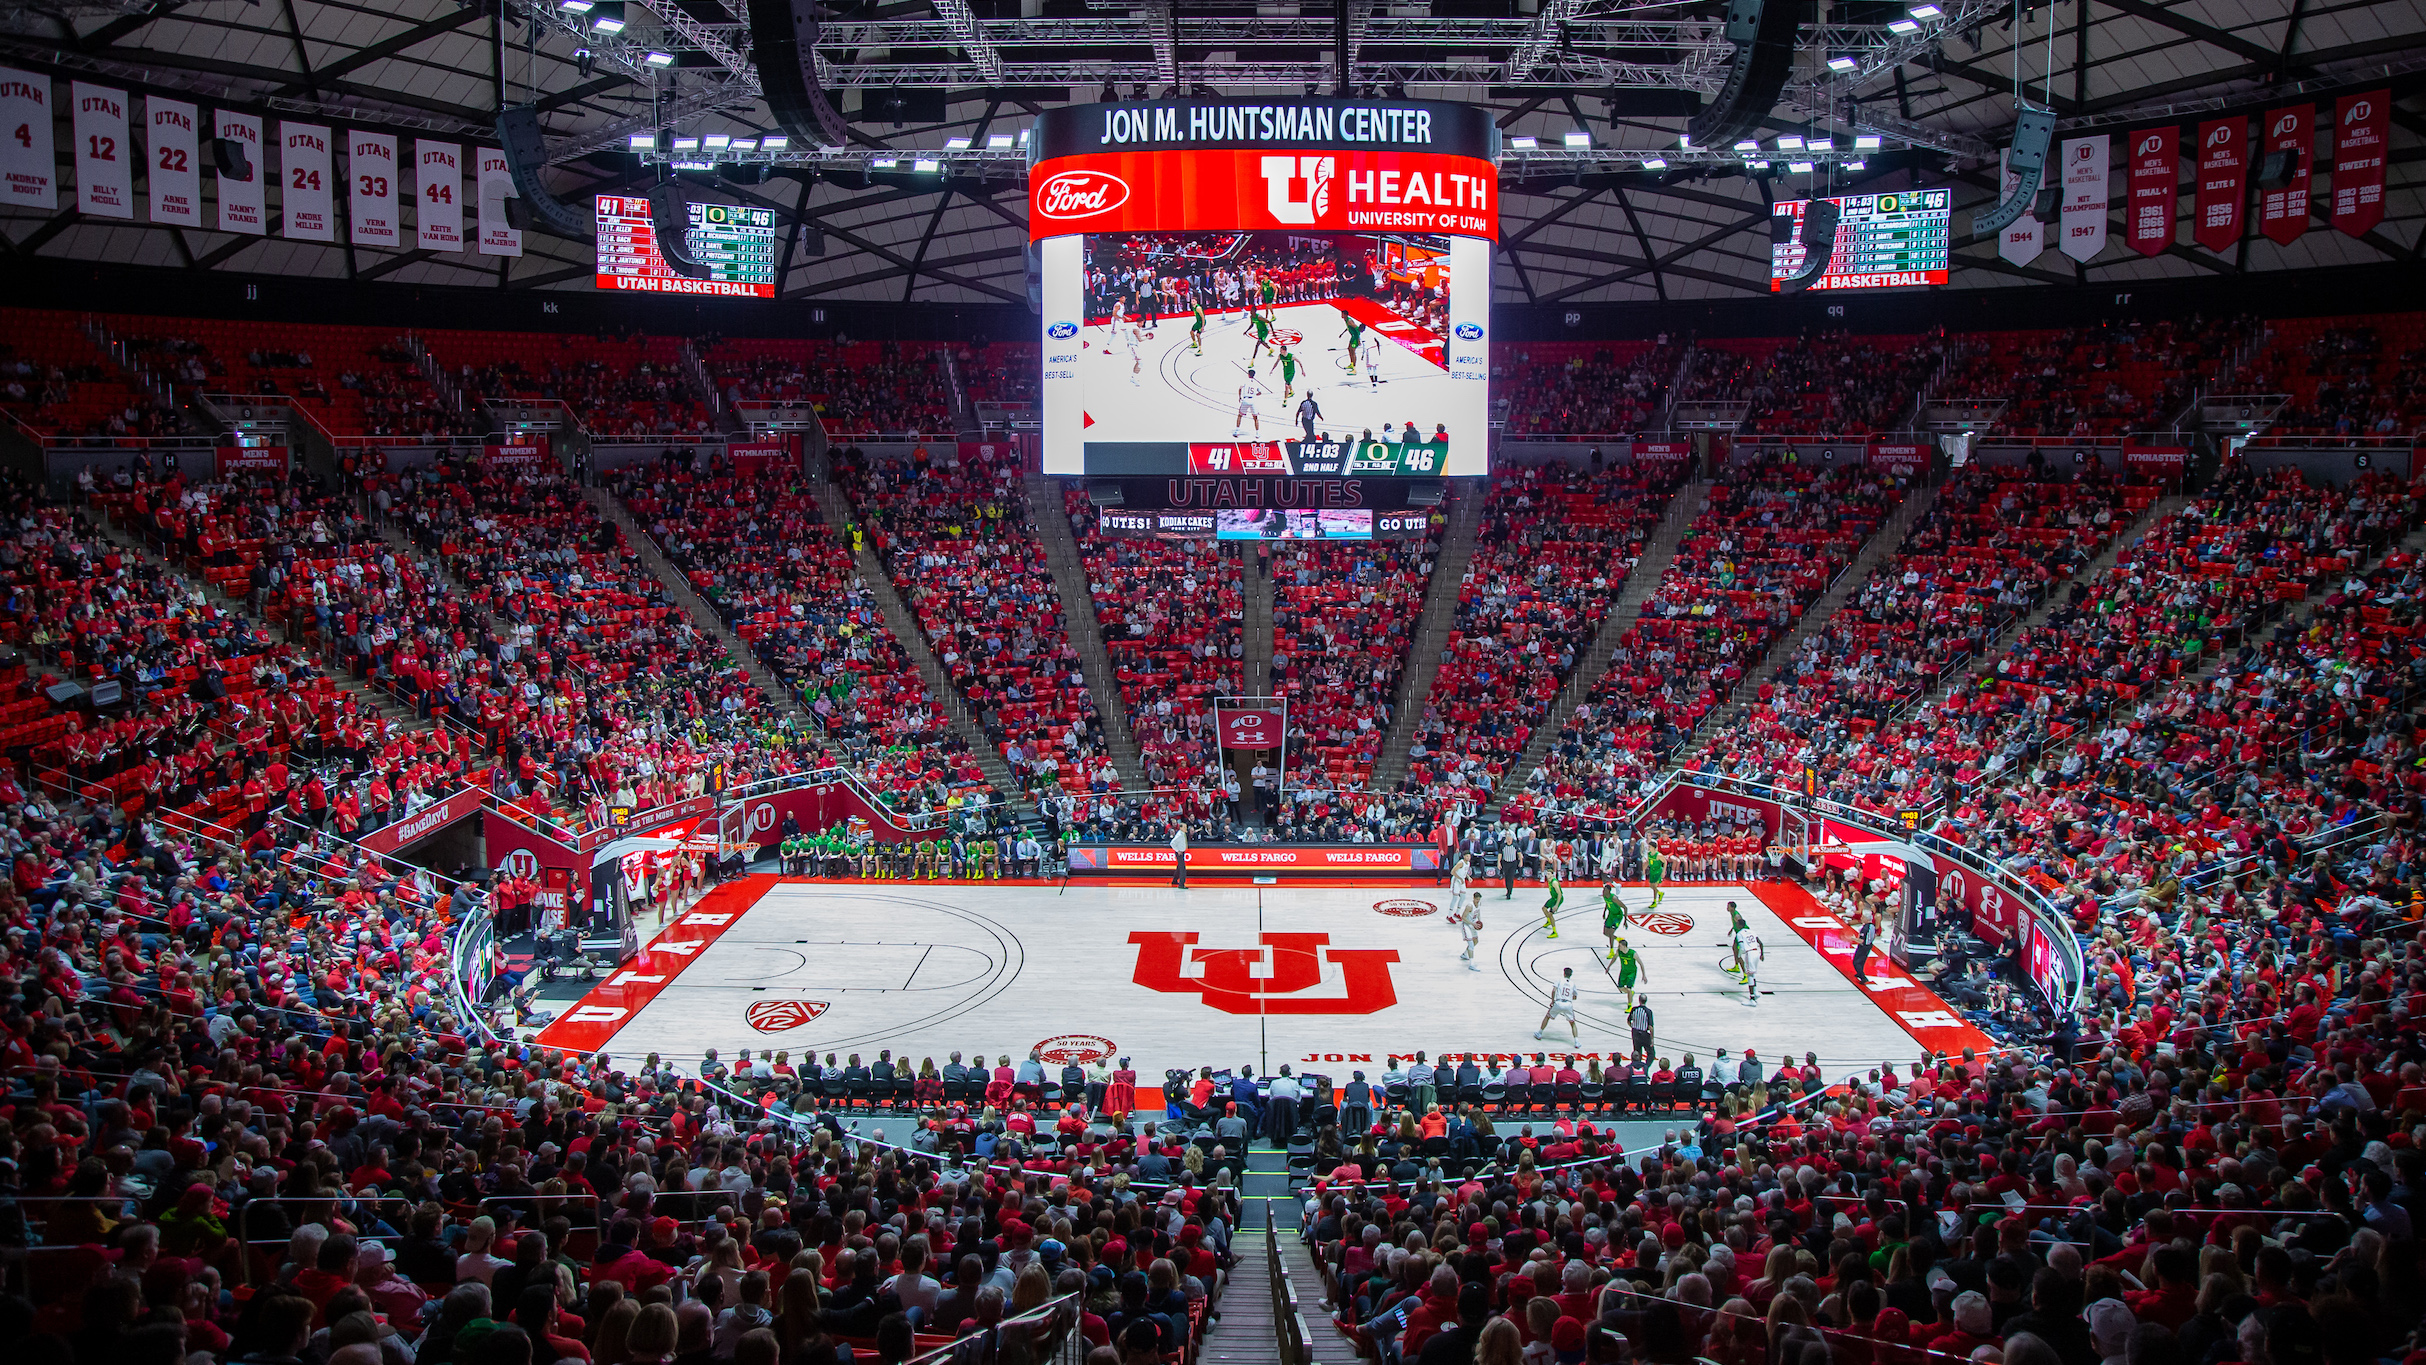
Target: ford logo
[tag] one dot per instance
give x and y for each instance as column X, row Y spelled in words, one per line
column 1062, row 331
column 1081, row 194
column 1469, row 331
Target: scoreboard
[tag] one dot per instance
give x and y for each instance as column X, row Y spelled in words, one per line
column 737, row 244
column 1883, row 241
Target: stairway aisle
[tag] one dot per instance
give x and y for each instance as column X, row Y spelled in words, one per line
column 897, row 618
column 680, row 593
column 1256, row 585
column 1050, row 521
column 1658, row 553
column 1431, row 631
column 1874, row 552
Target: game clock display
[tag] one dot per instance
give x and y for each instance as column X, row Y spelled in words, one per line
column 737, row 245
column 1883, row 241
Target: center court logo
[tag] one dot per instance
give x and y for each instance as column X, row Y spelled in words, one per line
column 1295, row 967
column 1405, row 907
column 1062, row 331
column 1082, row 194
column 778, row 1016
column 1067, row 1049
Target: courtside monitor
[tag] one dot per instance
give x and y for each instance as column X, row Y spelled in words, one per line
column 1235, row 287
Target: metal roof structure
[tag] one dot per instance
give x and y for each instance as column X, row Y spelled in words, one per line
column 951, row 85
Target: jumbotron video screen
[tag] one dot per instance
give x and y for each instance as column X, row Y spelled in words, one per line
column 1210, row 309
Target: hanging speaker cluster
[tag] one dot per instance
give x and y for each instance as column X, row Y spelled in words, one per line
column 783, row 42
column 526, row 153
column 1763, row 34
column 2026, row 159
column 670, row 219
column 1819, row 242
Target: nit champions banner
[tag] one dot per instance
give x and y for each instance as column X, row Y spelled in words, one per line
column 2153, row 188
column 1256, row 190
column 2361, row 125
column 2283, row 209
column 2083, row 217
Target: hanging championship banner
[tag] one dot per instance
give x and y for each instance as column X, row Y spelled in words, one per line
column 2023, row 239
column 2283, row 206
column 105, row 176
column 171, row 161
column 29, row 160
column 305, row 197
column 497, row 236
column 2223, row 169
column 370, row 168
column 438, row 188
column 2153, row 188
column 243, row 205
column 2361, row 125
column 2085, row 198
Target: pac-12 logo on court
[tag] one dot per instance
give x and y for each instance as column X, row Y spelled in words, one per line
column 1668, row 923
column 1074, row 1049
column 775, row 1016
column 1301, row 974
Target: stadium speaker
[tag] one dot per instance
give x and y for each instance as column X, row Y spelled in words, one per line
column 1427, row 494
column 1106, row 495
column 229, row 156
column 64, row 694
column 783, row 35
column 670, row 219
column 108, row 692
column 1819, row 244
column 2279, row 169
column 533, row 207
column 2033, row 130
column 1035, row 264
column 1762, row 32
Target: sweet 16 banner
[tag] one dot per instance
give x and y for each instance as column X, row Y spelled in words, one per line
column 172, row 161
column 2361, row 124
column 105, row 177
column 2153, row 188
column 2223, row 162
column 29, row 160
column 2085, row 198
column 2283, row 209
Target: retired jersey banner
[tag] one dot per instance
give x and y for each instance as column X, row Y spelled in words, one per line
column 438, row 195
column 2283, row 208
column 1264, row 191
column 306, row 196
column 498, row 237
column 370, row 169
column 2223, row 170
column 2361, row 126
column 243, row 205
column 2153, row 189
column 172, row 161
column 29, row 160
column 105, row 174
column 2085, row 198
column 2023, row 239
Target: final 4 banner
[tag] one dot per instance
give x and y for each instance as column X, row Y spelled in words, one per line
column 2154, row 188
column 2361, row 125
column 2223, row 168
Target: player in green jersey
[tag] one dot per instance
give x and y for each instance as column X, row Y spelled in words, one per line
column 1196, row 330
column 1558, row 897
column 1629, row 972
column 1288, row 374
column 1655, row 871
column 1355, row 332
column 1262, row 327
column 1612, row 915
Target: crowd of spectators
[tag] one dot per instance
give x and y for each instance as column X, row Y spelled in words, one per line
column 1592, row 388
column 2343, row 377
column 859, row 388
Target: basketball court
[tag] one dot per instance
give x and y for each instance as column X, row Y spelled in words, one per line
column 1331, row 977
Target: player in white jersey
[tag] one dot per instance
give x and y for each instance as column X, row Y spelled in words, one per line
column 1373, row 364
column 1137, row 365
column 1562, row 1006
column 1120, row 319
column 1750, row 952
column 1459, row 873
column 1248, row 392
column 1470, row 924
